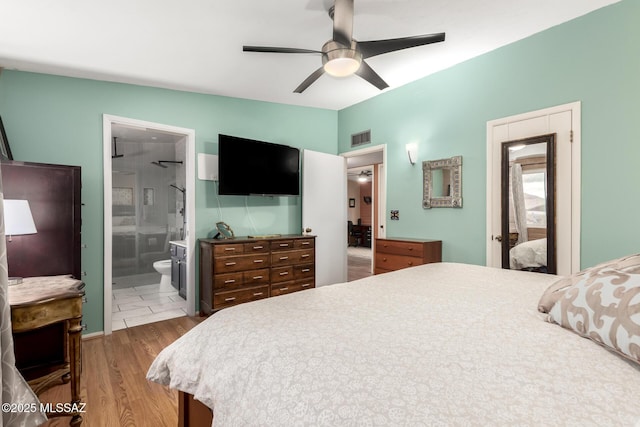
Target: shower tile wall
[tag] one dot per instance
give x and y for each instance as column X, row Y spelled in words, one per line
column 144, row 216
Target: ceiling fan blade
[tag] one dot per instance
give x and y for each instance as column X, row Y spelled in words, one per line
column 367, row 73
column 270, row 49
column 378, row 47
column 309, row 80
column 343, row 22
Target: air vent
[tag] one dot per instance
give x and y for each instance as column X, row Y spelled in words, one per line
column 361, row 138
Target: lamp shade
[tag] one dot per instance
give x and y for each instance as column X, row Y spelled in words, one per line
column 17, row 218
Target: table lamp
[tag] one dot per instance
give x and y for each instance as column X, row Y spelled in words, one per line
column 17, row 221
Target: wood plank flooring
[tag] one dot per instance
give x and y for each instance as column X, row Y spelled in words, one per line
column 114, row 384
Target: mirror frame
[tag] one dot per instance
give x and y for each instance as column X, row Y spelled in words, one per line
column 550, row 140
column 454, row 165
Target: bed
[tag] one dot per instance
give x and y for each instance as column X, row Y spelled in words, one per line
column 530, row 255
column 439, row 344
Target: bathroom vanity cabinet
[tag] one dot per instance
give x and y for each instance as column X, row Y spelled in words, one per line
column 179, row 267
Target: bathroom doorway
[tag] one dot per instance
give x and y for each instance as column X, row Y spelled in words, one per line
column 146, row 220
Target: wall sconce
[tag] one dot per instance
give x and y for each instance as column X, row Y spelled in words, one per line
column 412, row 152
column 17, row 218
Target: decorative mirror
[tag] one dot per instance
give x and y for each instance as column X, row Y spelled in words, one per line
column 224, row 231
column 442, row 183
column 528, row 205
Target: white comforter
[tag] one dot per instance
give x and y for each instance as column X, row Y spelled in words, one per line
column 441, row 344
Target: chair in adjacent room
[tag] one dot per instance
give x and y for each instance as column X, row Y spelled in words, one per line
column 354, row 234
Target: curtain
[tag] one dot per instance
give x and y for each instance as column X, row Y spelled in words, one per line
column 518, row 203
column 20, row 406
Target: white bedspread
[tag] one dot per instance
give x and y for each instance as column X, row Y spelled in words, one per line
column 441, row 344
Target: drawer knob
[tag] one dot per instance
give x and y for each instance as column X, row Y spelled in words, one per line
column 306, row 243
column 283, row 258
column 229, row 249
column 229, row 281
column 257, row 247
column 257, row 294
column 284, row 245
column 230, row 299
column 306, row 285
column 410, row 262
column 284, row 289
column 306, row 270
column 284, row 273
column 384, row 259
column 257, row 277
column 229, row 264
column 410, row 248
column 305, row 256
column 258, row 261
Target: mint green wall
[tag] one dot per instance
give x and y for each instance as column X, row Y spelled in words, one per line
column 54, row 119
column 594, row 59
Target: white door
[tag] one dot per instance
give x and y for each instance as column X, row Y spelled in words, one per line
column 324, row 211
column 564, row 121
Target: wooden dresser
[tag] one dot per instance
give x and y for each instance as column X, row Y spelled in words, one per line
column 394, row 254
column 247, row 269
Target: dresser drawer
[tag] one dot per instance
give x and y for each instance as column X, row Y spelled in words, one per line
column 395, row 262
column 304, row 271
column 227, row 299
column 228, row 249
column 256, row 277
column 289, row 287
column 303, row 243
column 281, row 274
column 291, row 257
column 256, row 247
column 228, row 281
column 241, row 262
column 282, row 245
column 400, row 248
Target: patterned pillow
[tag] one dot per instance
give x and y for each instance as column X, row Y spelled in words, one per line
column 627, row 264
column 602, row 304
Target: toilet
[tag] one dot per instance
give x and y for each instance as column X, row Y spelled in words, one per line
column 164, row 268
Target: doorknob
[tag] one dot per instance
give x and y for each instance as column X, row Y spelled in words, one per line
column 498, row 238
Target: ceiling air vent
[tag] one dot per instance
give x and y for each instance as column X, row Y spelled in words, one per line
column 361, row 138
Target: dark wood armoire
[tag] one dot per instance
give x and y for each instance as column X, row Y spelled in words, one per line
column 53, row 192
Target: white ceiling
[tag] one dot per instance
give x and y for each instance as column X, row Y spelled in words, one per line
column 196, row 45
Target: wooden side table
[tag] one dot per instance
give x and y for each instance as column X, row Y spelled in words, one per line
column 49, row 302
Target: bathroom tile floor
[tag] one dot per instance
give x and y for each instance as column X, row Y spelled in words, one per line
column 146, row 302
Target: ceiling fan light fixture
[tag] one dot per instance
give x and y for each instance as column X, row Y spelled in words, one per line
column 339, row 61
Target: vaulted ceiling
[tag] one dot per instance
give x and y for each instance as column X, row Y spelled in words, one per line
column 196, row 45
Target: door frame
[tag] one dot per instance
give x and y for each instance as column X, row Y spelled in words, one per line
column 494, row 172
column 379, row 193
column 190, row 135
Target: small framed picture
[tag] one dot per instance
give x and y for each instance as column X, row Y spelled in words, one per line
column 5, row 151
column 352, row 203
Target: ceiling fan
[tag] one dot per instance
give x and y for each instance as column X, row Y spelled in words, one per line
column 343, row 56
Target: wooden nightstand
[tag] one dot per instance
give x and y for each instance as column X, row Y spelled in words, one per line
column 45, row 318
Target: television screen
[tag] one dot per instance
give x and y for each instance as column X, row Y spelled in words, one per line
column 246, row 166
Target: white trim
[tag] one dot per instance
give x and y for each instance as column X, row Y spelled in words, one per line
column 575, row 108
column 190, row 158
column 382, row 194
column 92, row 335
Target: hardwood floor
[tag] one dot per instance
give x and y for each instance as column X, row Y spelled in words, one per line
column 114, row 385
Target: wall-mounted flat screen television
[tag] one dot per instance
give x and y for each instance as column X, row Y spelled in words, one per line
column 250, row 167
